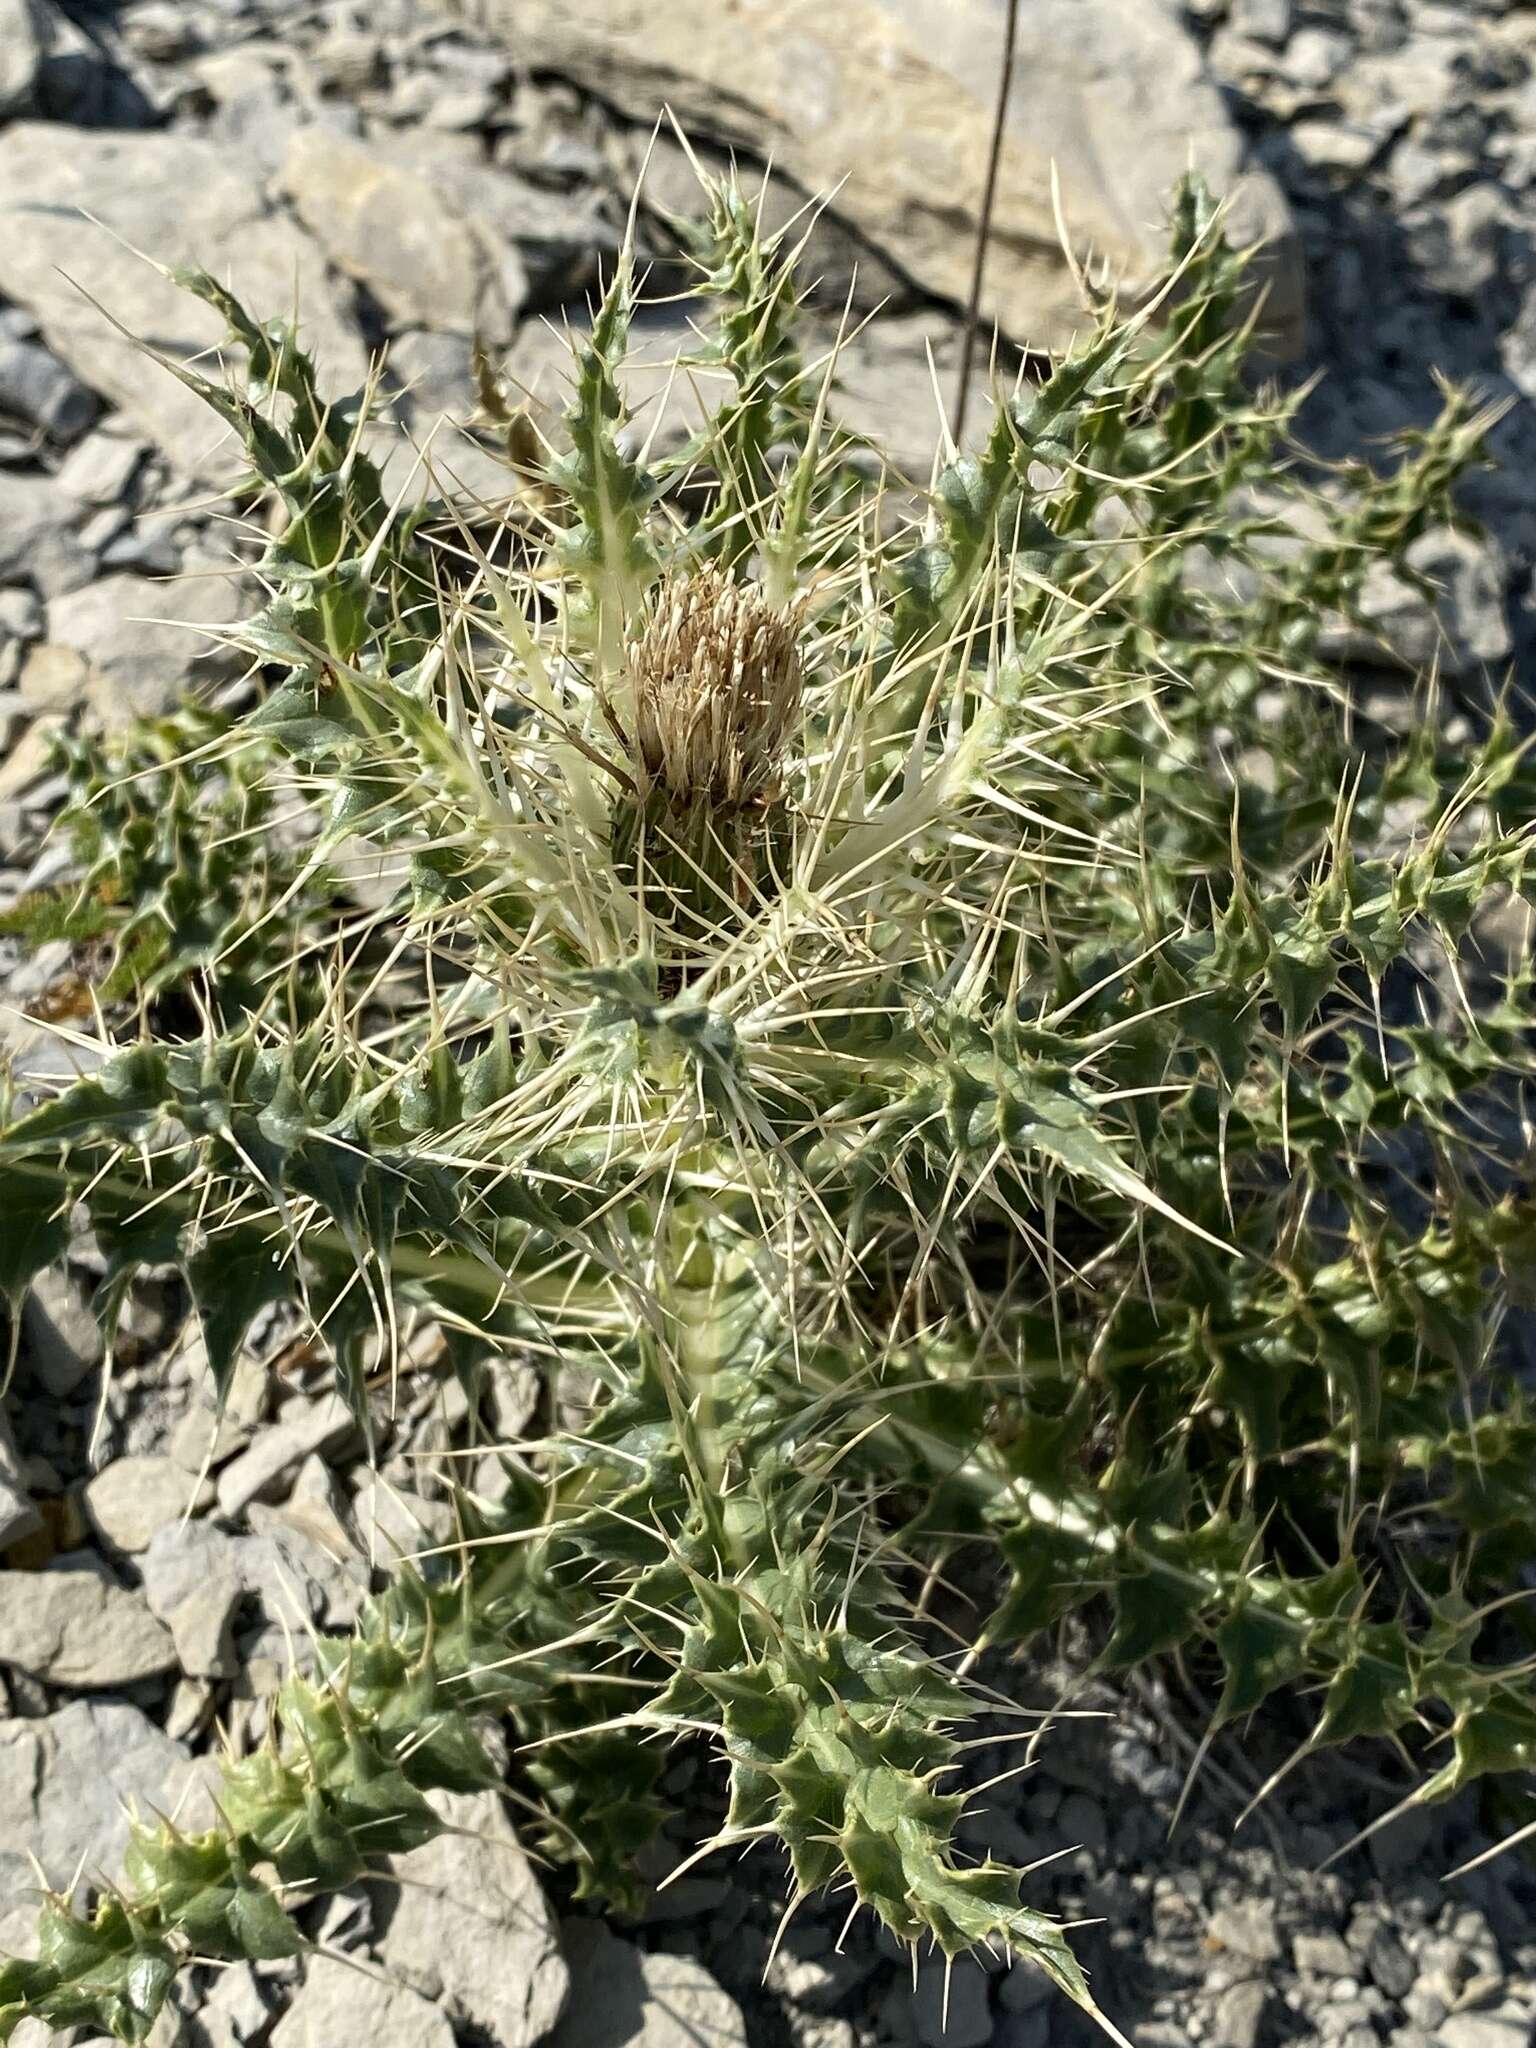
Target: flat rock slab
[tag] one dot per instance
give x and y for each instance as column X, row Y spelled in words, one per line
column 627, row 1997
column 75, row 1626
column 470, row 1928
column 196, row 1575
column 889, row 103
column 183, row 202
column 146, row 638
column 337, row 2004
column 128, row 1500
column 64, row 1781
column 386, row 226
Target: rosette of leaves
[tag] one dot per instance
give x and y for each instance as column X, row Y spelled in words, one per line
column 962, row 1034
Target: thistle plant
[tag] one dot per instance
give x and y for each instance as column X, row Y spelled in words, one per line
column 957, row 1028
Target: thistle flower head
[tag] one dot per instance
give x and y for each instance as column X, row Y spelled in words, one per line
column 716, row 675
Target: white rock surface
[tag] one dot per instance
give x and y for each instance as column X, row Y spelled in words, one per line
column 337, row 2004
column 470, row 1928
column 390, row 229
column 196, row 1575
column 183, row 201
column 25, row 33
column 62, row 1339
column 35, row 537
column 72, row 1624
column 625, row 1997
column 128, row 1500
column 302, row 1427
column 148, row 639
column 64, row 1779
column 889, row 101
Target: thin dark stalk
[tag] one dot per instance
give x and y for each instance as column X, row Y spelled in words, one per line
column 984, row 225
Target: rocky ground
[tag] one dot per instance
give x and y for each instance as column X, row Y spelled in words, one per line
column 414, row 180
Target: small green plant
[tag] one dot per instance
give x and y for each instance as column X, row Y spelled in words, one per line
column 178, row 878
column 954, row 1025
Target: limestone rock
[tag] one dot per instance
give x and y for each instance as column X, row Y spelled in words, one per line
column 75, row 1626
column 301, row 1428
column 36, row 543
column 196, row 1576
column 183, row 201
column 336, row 2003
column 394, row 1521
column 1462, row 631
column 36, row 387
column 145, row 636
column 24, row 40
column 128, row 1500
column 470, row 1928
column 18, row 1516
column 390, row 229
column 889, row 101
column 63, row 1783
column 625, row 1997
column 62, row 1342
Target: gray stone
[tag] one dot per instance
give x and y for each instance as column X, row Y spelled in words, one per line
column 950, row 2005
column 196, row 1575
column 1506, row 2026
column 35, row 386
column 160, row 31
column 128, row 1500
column 73, row 1625
column 817, row 1983
column 1401, row 1846
column 193, row 1582
column 1343, row 146
column 1267, row 21
column 347, row 60
column 392, row 231
column 1314, row 56
column 470, row 1928
column 315, row 1509
column 234, row 2014
column 22, row 616
column 1239, row 2017
column 556, row 241
column 253, row 111
column 65, row 1782
column 1247, row 1928
column 1389, row 1963
column 54, row 678
column 100, row 469
column 1114, row 93
column 625, row 1997
column 62, row 1342
column 301, row 1427
column 25, row 35
column 36, row 544
column 18, row 1515
column 1465, row 629
column 337, row 2003
column 1321, row 1955
column 394, row 1522
column 148, row 640
column 183, row 201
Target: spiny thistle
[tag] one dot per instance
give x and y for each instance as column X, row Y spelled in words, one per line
column 953, row 1027
column 713, row 678
column 716, row 678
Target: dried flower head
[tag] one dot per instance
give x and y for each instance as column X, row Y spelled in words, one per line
column 716, row 675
